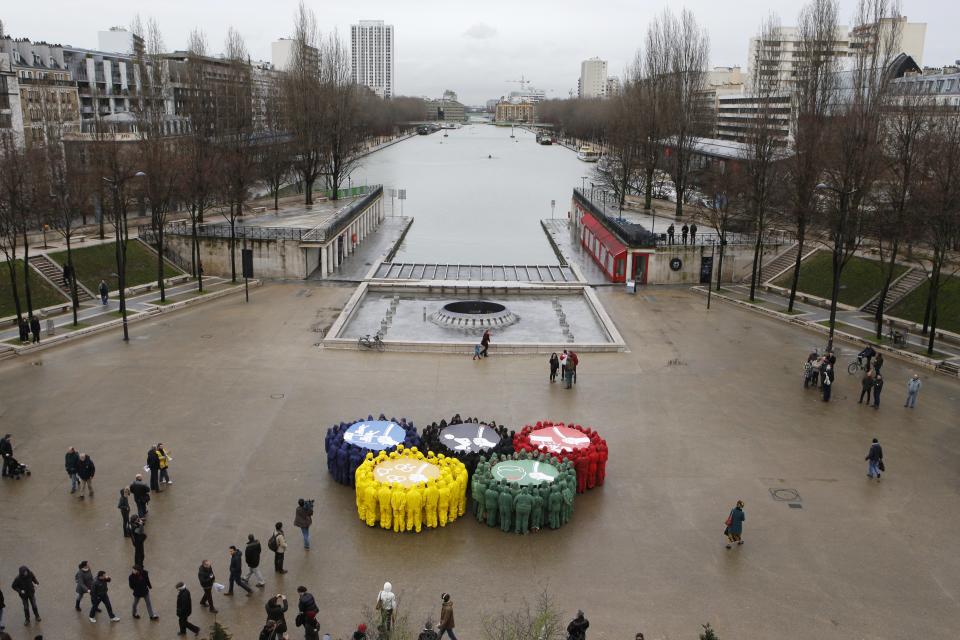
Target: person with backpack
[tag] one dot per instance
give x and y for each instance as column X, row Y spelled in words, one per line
column 734, row 524
column 251, row 553
column 306, row 601
column 303, row 518
column 84, row 581
column 386, row 605
column 278, row 544
column 311, row 628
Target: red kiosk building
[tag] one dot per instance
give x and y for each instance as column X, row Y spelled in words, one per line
column 621, row 249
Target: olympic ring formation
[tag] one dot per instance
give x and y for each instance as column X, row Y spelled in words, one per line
column 523, row 491
column 469, row 440
column 582, row 446
column 404, row 489
column 347, row 443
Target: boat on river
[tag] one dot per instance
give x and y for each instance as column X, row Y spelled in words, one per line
column 588, row 154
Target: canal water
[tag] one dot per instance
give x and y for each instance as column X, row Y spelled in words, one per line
column 477, row 195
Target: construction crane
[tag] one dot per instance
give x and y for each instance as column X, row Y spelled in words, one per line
column 522, row 82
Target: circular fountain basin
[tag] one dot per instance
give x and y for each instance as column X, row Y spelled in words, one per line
column 473, row 314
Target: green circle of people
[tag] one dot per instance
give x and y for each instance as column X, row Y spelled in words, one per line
column 525, row 472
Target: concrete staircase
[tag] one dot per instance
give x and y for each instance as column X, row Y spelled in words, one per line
column 899, row 288
column 779, row 264
column 53, row 273
column 949, row 368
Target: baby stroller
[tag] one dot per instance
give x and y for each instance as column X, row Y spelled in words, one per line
column 15, row 469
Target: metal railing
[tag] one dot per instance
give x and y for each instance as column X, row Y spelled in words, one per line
column 336, row 223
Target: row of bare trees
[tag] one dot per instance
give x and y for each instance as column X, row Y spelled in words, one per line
column 202, row 134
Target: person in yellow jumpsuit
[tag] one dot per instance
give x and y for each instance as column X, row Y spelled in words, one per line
column 415, row 508
column 454, row 507
column 443, row 504
column 431, row 499
column 384, row 497
column 398, row 500
column 462, row 489
column 361, row 488
column 370, row 502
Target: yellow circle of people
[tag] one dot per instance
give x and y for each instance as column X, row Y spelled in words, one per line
column 405, row 490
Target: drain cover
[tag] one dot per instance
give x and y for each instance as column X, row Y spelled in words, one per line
column 785, row 495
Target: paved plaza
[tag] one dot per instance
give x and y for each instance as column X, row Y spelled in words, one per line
column 706, row 408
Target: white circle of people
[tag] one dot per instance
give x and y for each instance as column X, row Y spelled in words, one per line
column 374, row 434
column 559, row 439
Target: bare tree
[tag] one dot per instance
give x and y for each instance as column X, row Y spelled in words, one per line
column 853, row 158
column 764, row 146
column 302, row 95
column 687, row 51
column 723, row 187
column 619, row 168
column 539, row 622
column 12, row 186
column 652, row 107
column 274, row 162
column 342, row 132
column 814, row 92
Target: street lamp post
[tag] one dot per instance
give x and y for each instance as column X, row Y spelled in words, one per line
column 553, row 205
column 120, row 231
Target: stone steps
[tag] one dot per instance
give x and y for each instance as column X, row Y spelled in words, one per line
column 53, row 273
column 900, row 287
column 779, row 264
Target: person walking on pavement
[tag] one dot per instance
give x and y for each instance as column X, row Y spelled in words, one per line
column 84, row 581
column 684, row 230
column 577, row 629
column 693, row 233
column 251, row 554
column 446, row 617
column 139, row 581
column 205, row 577
column 70, row 463
column 6, row 452
column 734, row 523
column 278, row 544
column 236, row 572
column 302, row 519
column 99, row 594
column 874, row 460
column 554, row 366
column 826, row 385
column 85, row 472
column 311, row 628
column 25, row 584
column 866, row 384
column 35, row 329
column 184, row 609
column 913, row 389
column 386, row 603
column 124, row 506
column 103, row 292
column 153, row 463
column 877, row 388
column 141, row 495
column 137, row 536
column 485, row 343
column 165, row 460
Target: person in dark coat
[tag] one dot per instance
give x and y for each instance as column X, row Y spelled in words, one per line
column 24, row 327
column 276, row 608
column 303, row 518
column 99, row 594
column 25, row 584
column 35, row 328
column 554, row 366
column 103, row 291
column 874, row 460
column 866, row 384
column 577, row 629
column 70, row 463
column 251, row 554
column 485, row 343
column 84, row 582
column 139, row 581
column 693, row 233
column 684, row 230
column 311, row 628
column 878, row 363
column 670, row 232
column 124, row 506
column 184, row 609
column 205, row 577
column 269, row 631
column 6, row 451
column 877, row 387
column 446, row 617
column 153, row 463
column 141, row 495
column 826, row 384
column 137, row 537
column 734, row 529
column 85, row 471
column 3, row 606
column 236, row 572
column 306, row 601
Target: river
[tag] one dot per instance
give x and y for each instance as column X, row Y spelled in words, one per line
column 476, row 196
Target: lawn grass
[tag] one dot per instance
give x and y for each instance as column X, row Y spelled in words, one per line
column 861, row 280
column 948, row 305
column 884, row 340
column 98, row 262
column 42, row 293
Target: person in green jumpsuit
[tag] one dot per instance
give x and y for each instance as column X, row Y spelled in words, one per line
column 505, row 503
column 567, row 502
column 524, row 505
column 536, row 515
column 479, row 492
column 555, row 506
column 490, row 499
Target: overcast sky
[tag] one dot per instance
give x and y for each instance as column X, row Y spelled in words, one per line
column 471, row 48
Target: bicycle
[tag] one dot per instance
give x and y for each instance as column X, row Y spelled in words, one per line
column 376, row 342
column 856, row 365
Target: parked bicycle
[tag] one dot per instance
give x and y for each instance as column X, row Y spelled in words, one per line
column 376, row 342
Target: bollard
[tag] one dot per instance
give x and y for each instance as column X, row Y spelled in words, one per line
column 50, row 327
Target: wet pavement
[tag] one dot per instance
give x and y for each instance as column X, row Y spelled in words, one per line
column 707, row 407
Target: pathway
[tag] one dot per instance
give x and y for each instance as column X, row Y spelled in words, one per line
column 563, row 235
column 376, row 245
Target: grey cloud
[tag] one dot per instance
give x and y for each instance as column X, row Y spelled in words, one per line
column 480, row 31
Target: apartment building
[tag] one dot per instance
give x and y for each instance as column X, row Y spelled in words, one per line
column 593, row 78
column 372, row 56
